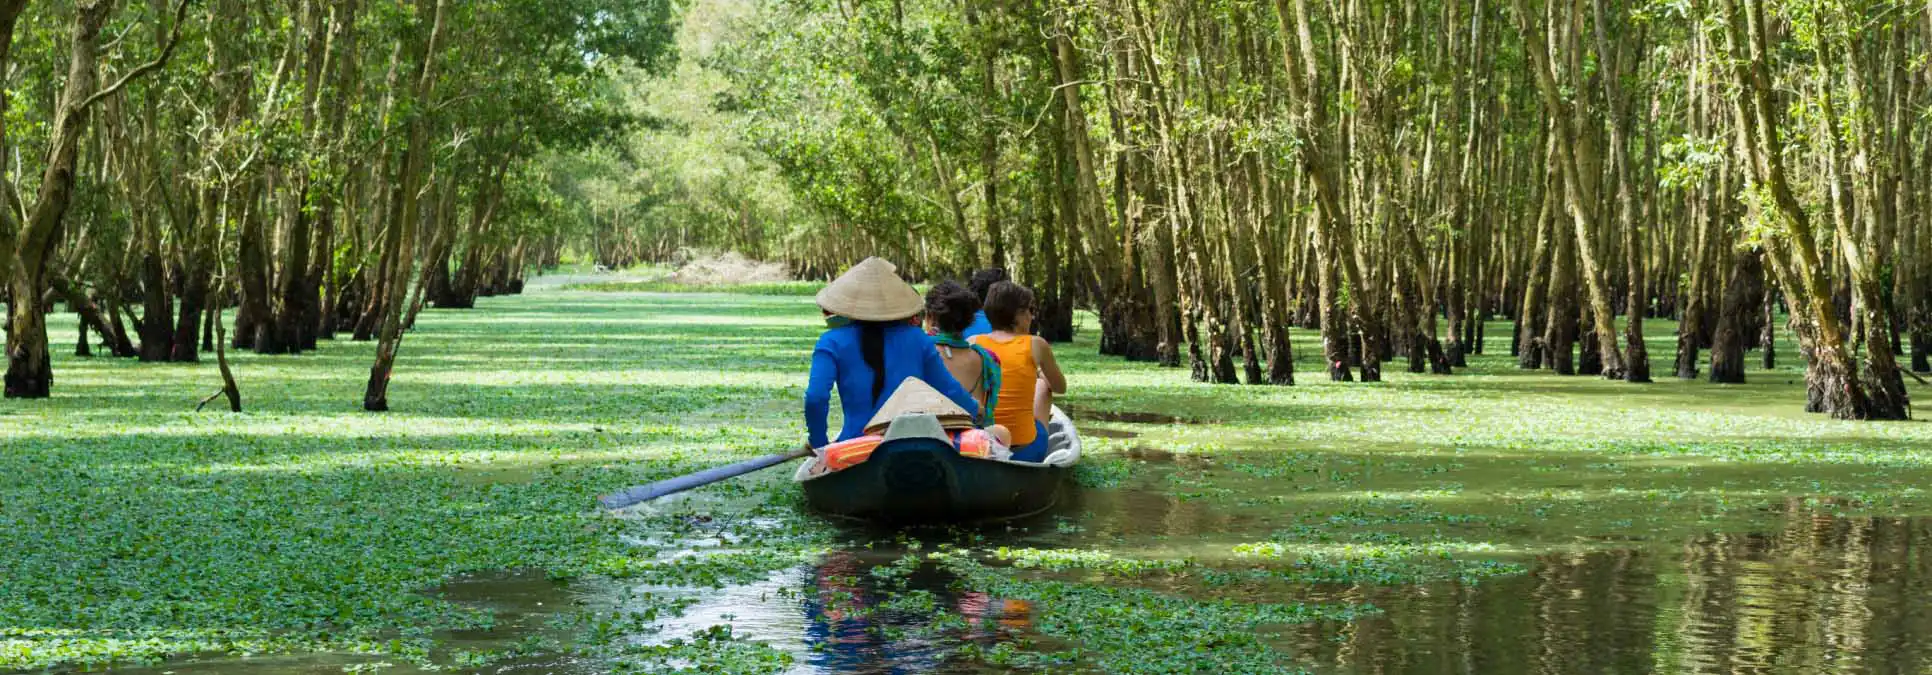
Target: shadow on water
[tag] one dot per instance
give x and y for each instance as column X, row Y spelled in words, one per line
column 1102, row 432
column 1821, row 595
column 1130, row 417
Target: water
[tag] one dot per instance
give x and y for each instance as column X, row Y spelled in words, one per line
column 1806, row 594
column 1821, row 595
column 524, row 603
column 839, row 617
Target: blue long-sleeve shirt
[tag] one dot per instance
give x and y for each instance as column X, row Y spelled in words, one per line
column 838, row 361
column 980, row 326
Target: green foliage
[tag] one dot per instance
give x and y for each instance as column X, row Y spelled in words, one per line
column 797, row 288
column 685, row 176
column 713, row 650
column 141, row 530
column 1058, row 560
column 1130, row 630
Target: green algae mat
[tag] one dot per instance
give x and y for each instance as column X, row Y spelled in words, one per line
column 1489, row 521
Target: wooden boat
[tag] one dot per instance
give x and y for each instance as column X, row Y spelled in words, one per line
column 916, row 476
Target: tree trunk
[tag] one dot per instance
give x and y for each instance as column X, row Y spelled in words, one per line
column 1832, row 376
column 1768, row 338
column 29, row 366
column 1334, row 326
column 1690, row 326
column 157, row 311
column 292, row 327
column 1529, row 318
column 188, row 330
column 117, row 335
column 1741, row 295
column 376, row 397
column 229, row 388
column 1317, row 153
column 1559, row 333
column 1589, row 351
column 1582, row 202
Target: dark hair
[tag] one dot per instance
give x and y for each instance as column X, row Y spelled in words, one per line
column 1004, row 302
column 951, row 306
column 983, row 281
column 872, row 348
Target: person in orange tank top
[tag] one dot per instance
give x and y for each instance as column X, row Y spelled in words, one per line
column 1028, row 372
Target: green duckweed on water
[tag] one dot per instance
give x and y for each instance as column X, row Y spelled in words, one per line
column 1484, row 517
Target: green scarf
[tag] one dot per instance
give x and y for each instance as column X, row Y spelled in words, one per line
column 989, row 372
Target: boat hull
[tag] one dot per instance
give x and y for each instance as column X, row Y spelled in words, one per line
column 926, row 480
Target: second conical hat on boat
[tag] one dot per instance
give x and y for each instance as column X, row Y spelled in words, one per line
column 871, row 291
column 915, row 397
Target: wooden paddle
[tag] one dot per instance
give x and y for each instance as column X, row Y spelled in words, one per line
column 644, row 493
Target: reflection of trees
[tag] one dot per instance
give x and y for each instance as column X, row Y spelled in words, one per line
column 1706, row 593
column 1817, row 595
column 1804, row 599
column 1849, row 616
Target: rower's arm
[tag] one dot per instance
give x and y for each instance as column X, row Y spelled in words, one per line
column 1049, row 366
column 818, row 395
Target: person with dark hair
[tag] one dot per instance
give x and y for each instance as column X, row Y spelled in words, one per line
column 1029, row 373
column 949, row 311
column 871, row 348
column 981, row 283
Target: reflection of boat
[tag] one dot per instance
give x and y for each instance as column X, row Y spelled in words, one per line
column 917, row 476
column 855, row 623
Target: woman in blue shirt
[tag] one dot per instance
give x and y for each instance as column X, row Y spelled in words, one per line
column 870, row 349
column 982, row 281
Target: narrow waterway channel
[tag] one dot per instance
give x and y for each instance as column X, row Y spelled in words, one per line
column 1806, row 594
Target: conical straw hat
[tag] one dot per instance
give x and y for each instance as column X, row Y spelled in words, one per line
column 915, row 397
column 871, row 291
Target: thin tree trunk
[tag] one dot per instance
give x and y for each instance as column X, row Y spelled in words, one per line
column 1318, row 159
column 415, row 156
column 1582, row 203
column 1531, row 347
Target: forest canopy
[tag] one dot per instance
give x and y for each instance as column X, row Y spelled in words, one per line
column 318, row 166
column 1205, row 177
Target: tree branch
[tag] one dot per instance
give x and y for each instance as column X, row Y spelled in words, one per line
column 167, row 51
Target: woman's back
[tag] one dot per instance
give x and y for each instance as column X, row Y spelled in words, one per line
column 907, row 352
column 1018, row 374
column 967, row 367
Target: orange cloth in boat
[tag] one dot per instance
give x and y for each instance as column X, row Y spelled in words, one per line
column 847, row 454
column 1018, row 375
column 970, row 442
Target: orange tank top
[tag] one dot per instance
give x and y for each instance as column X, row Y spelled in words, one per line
column 1017, row 376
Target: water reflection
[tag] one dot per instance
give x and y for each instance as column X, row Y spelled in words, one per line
column 1806, row 595
column 866, row 610
column 862, row 622
column 1819, row 595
